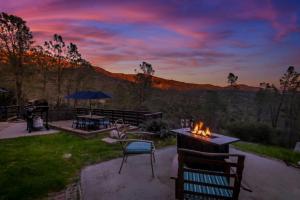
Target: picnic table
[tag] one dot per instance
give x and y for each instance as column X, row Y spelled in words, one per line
column 91, row 121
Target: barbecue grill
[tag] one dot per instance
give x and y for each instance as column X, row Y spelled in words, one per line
column 36, row 111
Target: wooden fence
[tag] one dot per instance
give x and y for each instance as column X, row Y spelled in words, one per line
column 7, row 112
column 129, row 116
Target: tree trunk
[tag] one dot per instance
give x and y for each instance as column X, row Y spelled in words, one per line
column 59, row 77
column 19, row 82
column 45, row 84
column 19, row 90
column 276, row 116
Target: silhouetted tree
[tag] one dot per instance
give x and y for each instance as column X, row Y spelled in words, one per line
column 261, row 102
column 79, row 76
column 15, row 41
column 271, row 98
column 57, row 50
column 289, row 86
column 43, row 62
column 143, row 80
column 233, row 109
column 213, row 109
column 232, row 79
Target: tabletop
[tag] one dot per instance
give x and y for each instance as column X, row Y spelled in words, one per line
column 91, row 116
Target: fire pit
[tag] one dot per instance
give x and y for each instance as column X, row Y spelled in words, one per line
column 200, row 138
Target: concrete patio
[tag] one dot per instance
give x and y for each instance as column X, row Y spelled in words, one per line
column 18, row 129
column 267, row 178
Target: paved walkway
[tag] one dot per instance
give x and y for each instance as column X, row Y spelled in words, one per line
column 269, row 179
column 14, row 130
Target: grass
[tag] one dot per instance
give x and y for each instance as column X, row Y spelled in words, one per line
column 270, row 151
column 31, row 167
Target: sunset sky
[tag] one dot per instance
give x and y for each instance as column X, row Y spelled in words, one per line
column 197, row 41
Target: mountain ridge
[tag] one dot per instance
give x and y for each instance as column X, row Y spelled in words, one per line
column 168, row 84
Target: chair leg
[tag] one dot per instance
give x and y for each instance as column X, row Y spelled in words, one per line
column 126, row 158
column 122, row 164
column 151, row 165
column 154, row 157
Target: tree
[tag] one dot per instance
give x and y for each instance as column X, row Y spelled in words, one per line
column 143, row 79
column 289, row 87
column 232, row 79
column 80, row 69
column 270, row 97
column 213, row 109
column 261, row 102
column 15, row 41
column 43, row 61
column 57, row 49
column 233, row 109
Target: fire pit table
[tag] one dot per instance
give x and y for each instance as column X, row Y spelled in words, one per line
column 215, row 143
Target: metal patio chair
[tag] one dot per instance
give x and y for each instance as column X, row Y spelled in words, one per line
column 133, row 146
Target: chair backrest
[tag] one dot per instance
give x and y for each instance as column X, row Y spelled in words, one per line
column 221, row 184
column 120, row 127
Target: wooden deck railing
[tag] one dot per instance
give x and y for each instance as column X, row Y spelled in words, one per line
column 7, row 112
column 128, row 116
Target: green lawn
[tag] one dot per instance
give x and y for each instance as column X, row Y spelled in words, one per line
column 271, row 151
column 31, row 167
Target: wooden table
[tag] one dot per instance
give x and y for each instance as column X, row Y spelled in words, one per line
column 92, row 120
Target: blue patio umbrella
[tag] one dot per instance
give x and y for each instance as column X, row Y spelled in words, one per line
column 88, row 95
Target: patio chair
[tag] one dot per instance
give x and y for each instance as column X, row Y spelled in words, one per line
column 103, row 123
column 205, row 184
column 133, row 146
column 79, row 123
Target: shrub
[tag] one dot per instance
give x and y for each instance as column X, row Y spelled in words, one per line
column 253, row 132
column 157, row 126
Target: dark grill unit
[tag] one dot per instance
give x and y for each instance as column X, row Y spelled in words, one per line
column 37, row 108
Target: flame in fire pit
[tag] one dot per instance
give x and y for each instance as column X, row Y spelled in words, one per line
column 199, row 129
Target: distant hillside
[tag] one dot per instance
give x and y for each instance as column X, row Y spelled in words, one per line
column 166, row 84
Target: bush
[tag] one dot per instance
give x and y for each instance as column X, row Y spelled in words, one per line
column 156, row 126
column 254, row 132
